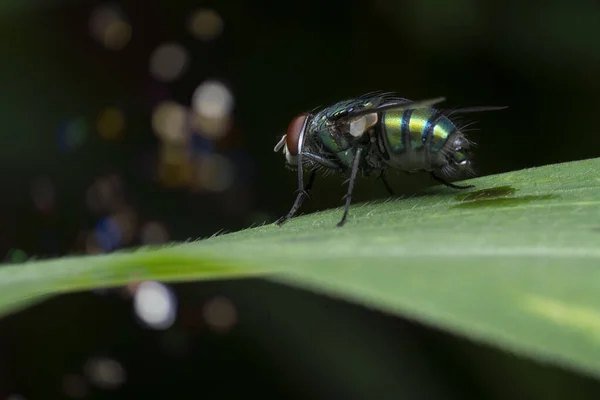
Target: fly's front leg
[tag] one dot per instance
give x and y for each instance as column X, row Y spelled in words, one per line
column 303, row 192
column 355, row 164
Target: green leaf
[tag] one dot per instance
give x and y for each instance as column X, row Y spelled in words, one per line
column 514, row 262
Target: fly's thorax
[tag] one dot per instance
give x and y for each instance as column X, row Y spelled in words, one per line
column 336, row 144
column 333, row 140
column 339, row 141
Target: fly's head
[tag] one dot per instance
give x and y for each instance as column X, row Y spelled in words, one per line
column 318, row 136
column 291, row 143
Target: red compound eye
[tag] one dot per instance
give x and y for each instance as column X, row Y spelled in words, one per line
column 293, row 133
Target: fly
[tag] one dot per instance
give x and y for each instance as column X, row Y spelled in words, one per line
column 375, row 132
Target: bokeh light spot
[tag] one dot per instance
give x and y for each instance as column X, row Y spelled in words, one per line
column 212, row 128
column 212, row 99
column 72, row 134
column 117, row 35
column 104, row 372
column 110, row 123
column 201, row 145
column 108, row 234
column 170, row 122
column 215, row 173
column 109, row 27
column 168, row 62
column 126, row 220
column 155, row 304
column 175, row 168
column 153, row 233
column 205, row 24
column 220, row 314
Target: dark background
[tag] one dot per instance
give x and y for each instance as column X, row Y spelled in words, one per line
column 86, row 170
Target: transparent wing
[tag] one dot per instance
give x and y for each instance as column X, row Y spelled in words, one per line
column 386, row 106
column 466, row 110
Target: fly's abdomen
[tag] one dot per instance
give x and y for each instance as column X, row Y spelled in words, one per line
column 440, row 132
column 393, row 125
column 420, row 122
column 413, row 138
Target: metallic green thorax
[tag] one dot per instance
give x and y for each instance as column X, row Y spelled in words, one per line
column 334, row 142
column 415, row 129
column 337, row 144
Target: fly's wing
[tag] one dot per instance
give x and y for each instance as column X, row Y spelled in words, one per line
column 467, row 110
column 382, row 104
column 361, row 114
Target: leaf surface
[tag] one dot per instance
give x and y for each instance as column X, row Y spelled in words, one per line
column 514, row 262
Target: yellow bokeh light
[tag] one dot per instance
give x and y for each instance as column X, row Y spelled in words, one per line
column 117, row 35
column 109, row 27
column 174, row 169
column 110, row 123
column 205, row 24
column 169, row 121
column 212, row 128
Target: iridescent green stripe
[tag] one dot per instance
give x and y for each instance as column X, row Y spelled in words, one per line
column 442, row 130
column 392, row 123
column 418, row 123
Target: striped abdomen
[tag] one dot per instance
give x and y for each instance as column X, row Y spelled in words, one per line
column 413, row 138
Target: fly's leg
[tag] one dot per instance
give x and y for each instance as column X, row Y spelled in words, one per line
column 451, row 185
column 386, row 183
column 302, row 194
column 351, row 181
column 322, row 161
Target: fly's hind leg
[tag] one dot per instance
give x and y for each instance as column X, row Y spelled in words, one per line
column 383, row 178
column 450, row 185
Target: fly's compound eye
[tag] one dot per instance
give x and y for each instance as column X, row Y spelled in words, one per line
column 292, row 137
